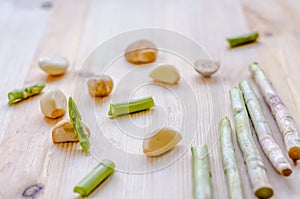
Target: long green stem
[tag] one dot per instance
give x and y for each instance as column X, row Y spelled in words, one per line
column 242, row 39
column 263, row 131
column 230, row 164
column 26, row 92
column 130, row 107
column 94, row 178
column 202, row 186
column 78, row 126
column 255, row 166
column 284, row 119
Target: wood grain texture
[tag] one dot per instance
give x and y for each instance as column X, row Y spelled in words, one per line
column 74, row 28
column 18, row 46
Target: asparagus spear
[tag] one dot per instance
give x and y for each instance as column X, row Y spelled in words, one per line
column 130, row 107
column 78, row 126
column 94, row 178
column 284, row 119
column 230, row 165
column 202, row 188
column 263, row 131
column 242, row 39
column 255, row 166
column 26, row 92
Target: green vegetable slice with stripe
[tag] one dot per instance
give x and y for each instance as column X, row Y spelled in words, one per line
column 18, row 95
column 202, row 184
column 95, row 177
column 242, row 39
column 130, row 107
column 78, row 126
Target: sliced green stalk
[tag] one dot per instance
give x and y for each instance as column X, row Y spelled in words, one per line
column 78, row 126
column 94, row 178
column 284, row 119
column 264, row 132
column 18, row 95
column 255, row 166
column 242, row 39
column 229, row 161
column 130, row 107
column 202, row 185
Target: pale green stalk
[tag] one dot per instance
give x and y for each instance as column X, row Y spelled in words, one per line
column 284, row 119
column 202, row 185
column 230, row 164
column 255, row 166
column 264, row 132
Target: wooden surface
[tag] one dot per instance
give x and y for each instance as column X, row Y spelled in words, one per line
column 74, row 28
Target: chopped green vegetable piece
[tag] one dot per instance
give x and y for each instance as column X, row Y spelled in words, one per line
column 130, row 107
column 229, row 161
column 242, row 39
column 284, row 119
column 257, row 171
column 78, row 126
column 202, row 185
column 94, row 178
column 18, row 95
column 263, row 131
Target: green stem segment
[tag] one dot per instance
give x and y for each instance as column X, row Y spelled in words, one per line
column 202, row 185
column 242, row 39
column 230, row 164
column 255, row 166
column 18, row 95
column 94, row 178
column 131, row 107
column 78, row 126
column 284, row 119
column 264, row 132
